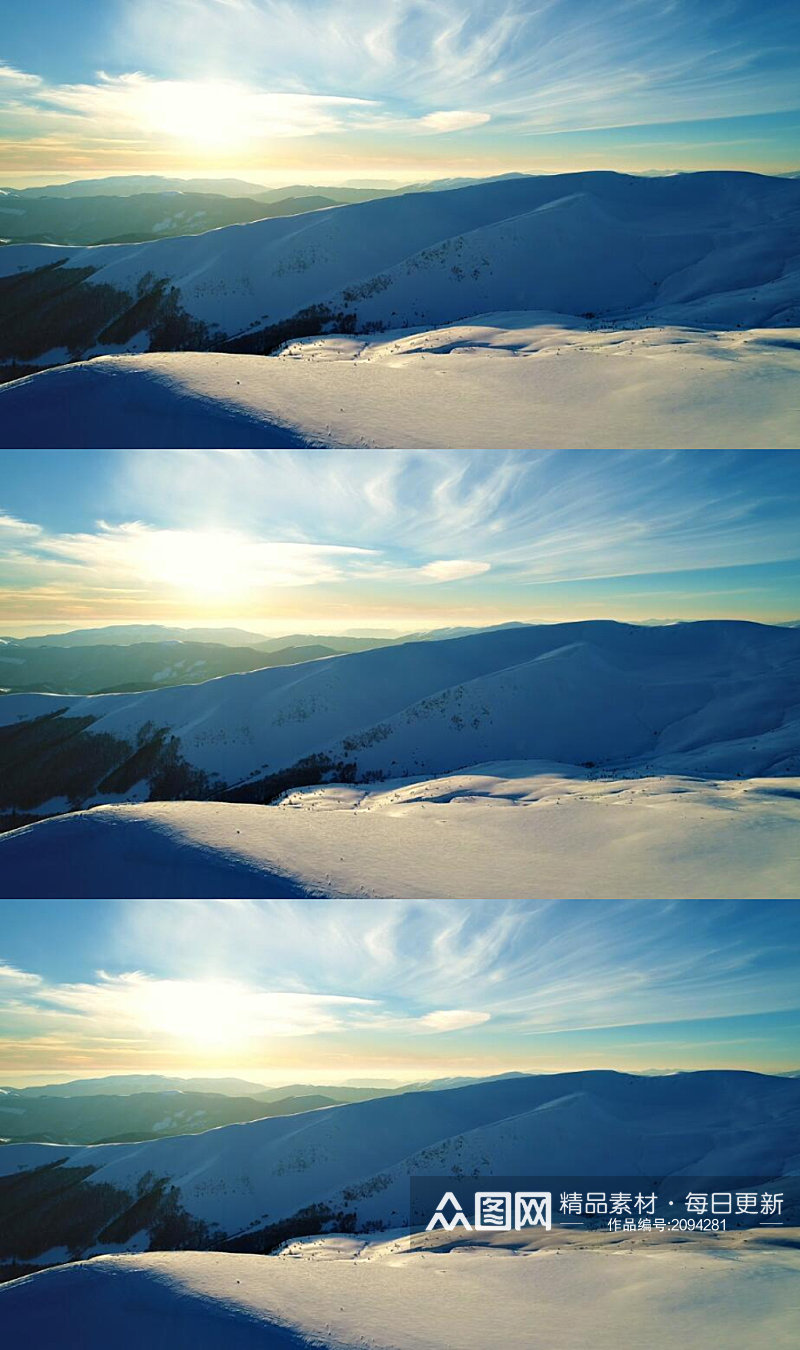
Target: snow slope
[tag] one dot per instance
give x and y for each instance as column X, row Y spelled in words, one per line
column 384, row 1296
column 502, row 831
column 250, row 1182
column 500, row 380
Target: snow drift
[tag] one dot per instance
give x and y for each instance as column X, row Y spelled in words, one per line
column 499, row 380
column 571, row 834
column 385, row 1296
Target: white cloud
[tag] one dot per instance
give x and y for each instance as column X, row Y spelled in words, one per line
column 219, row 111
column 15, row 978
column 16, row 81
column 135, row 557
column 15, row 528
column 454, row 569
column 136, row 1006
column 454, row 121
column 454, row 1019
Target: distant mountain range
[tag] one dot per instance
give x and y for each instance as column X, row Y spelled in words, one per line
column 124, row 1085
column 130, row 658
column 133, row 185
column 79, row 220
column 136, row 666
column 140, row 209
column 123, row 635
column 130, row 1107
column 81, row 1118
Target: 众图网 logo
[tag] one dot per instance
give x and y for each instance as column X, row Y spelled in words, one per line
column 495, row 1211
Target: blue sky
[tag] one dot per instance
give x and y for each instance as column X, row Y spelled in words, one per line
column 330, row 990
column 285, row 541
column 331, row 89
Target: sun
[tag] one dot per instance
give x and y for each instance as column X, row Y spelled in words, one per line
column 199, row 114
column 198, row 563
column 196, row 1012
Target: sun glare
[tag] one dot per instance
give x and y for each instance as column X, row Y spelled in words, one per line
column 201, row 1013
column 197, row 563
column 198, row 114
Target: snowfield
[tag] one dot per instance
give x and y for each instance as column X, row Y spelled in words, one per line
column 347, row 1295
column 641, row 312
column 495, row 381
column 497, row 831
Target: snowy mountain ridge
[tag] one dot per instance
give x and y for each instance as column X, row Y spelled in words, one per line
column 709, row 697
column 706, row 248
column 249, row 1186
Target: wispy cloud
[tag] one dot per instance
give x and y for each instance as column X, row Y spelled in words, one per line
column 546, row 61
column 200, row 78
column 11, row 978
column 454, row 120
column 454, row 569
column 505, row 984
column 454, row 1019
column 13, row 530
column 518, row 535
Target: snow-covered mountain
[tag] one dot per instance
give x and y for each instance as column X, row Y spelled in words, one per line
column 641, row 311
column 672, row 755
column 714, row 249
column 247, row 1187
column 714, row 697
